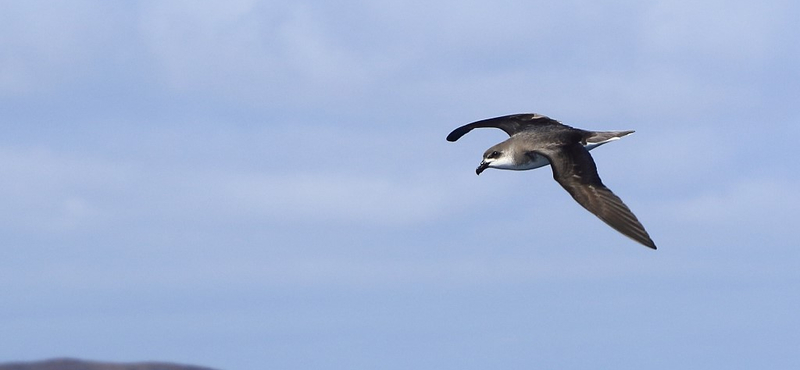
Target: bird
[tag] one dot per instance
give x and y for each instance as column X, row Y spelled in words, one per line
column 536, row 141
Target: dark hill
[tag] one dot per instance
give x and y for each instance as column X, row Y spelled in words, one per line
column 73, row 364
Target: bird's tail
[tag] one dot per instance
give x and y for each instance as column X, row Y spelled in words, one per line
column 597, row 138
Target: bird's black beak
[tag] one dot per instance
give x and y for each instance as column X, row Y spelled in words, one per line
column 481, row 167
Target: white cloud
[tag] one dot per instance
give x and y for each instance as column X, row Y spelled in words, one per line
column 45, row 45
column 347, row 199
column 740, row 31
column 54, row 192
column 748, row 206
column 251, row 53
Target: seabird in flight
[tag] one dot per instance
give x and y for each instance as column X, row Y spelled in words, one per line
column 536, row 141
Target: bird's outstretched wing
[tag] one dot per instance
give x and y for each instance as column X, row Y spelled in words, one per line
column 575, row 170
column 510, row 124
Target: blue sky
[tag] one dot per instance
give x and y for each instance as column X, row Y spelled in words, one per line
column 249, row 184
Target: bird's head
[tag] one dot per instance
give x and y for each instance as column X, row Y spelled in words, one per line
column 497, row 156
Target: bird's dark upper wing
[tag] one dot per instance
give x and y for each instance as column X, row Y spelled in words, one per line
column 575, row 170
column 510, row 124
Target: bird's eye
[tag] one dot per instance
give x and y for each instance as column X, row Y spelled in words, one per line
column 494, row 154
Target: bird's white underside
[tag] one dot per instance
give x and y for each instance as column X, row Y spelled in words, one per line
column 506, row 163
